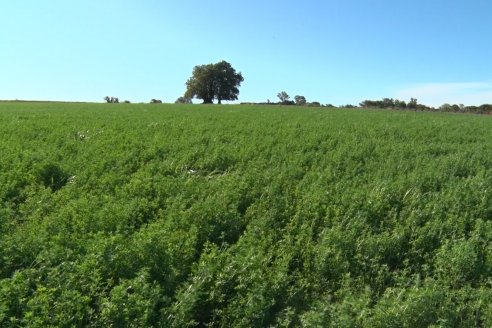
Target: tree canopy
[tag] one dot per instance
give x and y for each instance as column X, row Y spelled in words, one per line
column 110, row 100
column 283, row 96
column 214, row 81
column 183, row 100
column 300, row 100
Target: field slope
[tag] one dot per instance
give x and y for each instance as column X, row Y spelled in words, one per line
column 241, row 216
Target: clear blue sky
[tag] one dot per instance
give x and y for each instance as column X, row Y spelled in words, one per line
column 335, row 52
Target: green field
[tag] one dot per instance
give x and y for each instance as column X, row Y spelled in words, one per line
column 130, row 215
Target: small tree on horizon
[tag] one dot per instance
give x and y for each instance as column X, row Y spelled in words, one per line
column 412, row 104
column 113, row 100
column 183, row 100
column 300, row 100
column 283, row 96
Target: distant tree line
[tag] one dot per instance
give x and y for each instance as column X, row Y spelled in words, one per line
column 115, row 100
column 391, row 103
column 482, row 109
column 385, row 103
column 299, row 100
column 394, row 104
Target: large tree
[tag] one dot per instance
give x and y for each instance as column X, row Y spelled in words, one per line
column 214, row 81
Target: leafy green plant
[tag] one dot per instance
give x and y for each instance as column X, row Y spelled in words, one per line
column 243, row 216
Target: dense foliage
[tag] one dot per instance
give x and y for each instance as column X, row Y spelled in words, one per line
column 413, row 105
column 214, row 81
column 180, row 216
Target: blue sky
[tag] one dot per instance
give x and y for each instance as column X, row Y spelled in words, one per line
column 336, row 52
